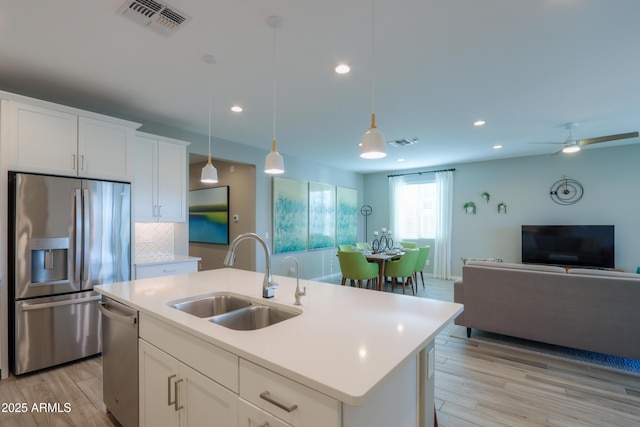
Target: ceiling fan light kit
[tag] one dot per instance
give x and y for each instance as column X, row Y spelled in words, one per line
column 572, row 145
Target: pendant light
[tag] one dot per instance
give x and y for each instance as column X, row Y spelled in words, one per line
column 373, row 144
column 209, row 173
column 273, row 164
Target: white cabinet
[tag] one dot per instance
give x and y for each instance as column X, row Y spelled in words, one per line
column 160, row 179
column 165, row 269
column 64, row 142
column 173, row 394
column 252, row 416
column 287, row 400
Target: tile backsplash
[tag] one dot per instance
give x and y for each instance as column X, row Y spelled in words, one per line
column 154, row 239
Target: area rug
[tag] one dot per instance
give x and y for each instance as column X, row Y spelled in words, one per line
column 604, row 361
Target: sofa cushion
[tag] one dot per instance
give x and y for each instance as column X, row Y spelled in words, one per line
column 611, row 273
column 514, row 266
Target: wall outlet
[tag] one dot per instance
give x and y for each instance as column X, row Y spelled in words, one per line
column 292, row 271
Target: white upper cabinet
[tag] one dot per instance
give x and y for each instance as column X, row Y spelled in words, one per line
column 160, row 179
column 105, row 150
column 47, row 138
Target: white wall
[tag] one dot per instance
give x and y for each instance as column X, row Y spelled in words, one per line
column 610, row 177
column 313, row 264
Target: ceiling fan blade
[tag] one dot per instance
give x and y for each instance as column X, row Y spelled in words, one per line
column 607, row 138
column 555, row 143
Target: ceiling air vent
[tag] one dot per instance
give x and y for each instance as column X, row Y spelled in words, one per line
column 402, row 142
column 157, row 16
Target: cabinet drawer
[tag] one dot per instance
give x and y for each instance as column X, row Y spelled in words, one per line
column 252, row 416
column 213, row 362
column 288, row 400
column 168, row 269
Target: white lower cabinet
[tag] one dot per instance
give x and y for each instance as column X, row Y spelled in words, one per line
column 252, row 416
column 287, row 400
column 174, row 394
column 165, row 269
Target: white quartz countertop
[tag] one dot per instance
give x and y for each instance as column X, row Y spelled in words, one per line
column 165, row 259
column 346, row 342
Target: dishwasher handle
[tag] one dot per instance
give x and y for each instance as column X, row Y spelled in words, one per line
column 129, row 320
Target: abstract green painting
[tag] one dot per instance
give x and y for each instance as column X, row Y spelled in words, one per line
column 290, row 215
column 209, row 215
column 322, row 216
column 347, row 215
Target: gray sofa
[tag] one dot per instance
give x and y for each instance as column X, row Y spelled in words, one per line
column 593, row 310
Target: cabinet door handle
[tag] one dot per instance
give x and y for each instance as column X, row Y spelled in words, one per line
column 177, row 406
column 159, row 211
column 82, row 162
column 169, row 401
column 73, row 161
column 267, row 396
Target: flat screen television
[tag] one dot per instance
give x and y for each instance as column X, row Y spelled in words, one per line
column 589, row 246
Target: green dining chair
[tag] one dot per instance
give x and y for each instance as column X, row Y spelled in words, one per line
column 409, row 245
column 345, row 248
column 356, row 268
column 423, row 255
column 402, row 269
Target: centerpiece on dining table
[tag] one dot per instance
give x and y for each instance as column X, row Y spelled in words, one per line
column 382, row 242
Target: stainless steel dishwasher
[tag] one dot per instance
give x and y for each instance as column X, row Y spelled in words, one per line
column 120, row 361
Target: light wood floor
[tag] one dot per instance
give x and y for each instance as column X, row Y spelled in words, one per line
column 492, row 386
column 476, row 385
column 78, row 385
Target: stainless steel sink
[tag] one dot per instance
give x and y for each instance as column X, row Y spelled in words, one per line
column 210, row 305
column 253, row 317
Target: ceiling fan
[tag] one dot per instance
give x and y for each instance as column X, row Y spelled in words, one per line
column 572, row 145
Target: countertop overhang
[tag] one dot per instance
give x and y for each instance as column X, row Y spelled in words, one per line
column 345, row 344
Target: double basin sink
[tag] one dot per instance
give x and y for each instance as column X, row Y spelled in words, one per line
column 234, row 311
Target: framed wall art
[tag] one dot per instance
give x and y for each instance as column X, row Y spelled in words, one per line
column 322, row 216
column 209, row 215
column 290, row 215
column 347, row 215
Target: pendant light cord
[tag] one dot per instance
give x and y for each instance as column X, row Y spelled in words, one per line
column 274, row 82
column 373, row 56
column 210, row 94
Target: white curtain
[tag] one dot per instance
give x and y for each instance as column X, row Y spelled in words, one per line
column 395, row 193
column 444, row 215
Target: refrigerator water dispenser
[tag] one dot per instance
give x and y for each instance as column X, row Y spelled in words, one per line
column 49, row 260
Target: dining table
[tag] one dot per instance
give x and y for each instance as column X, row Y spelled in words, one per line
column 381, row 258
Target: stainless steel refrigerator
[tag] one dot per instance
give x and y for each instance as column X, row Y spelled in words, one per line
column 66, row 235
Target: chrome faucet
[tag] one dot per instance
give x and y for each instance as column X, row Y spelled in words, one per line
column 268, row 285
column 298, row 294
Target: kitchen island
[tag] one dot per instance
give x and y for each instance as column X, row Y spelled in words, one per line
column 353, row 357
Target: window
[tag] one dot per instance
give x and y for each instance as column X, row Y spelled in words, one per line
column 416, row 209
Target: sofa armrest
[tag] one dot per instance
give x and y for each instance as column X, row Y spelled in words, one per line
column 458, row 296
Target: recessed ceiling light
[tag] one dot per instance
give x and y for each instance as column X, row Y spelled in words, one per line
column 236, row 109
column 479, row 123
column 342, row 69
column 497, row 147
column 401, row 160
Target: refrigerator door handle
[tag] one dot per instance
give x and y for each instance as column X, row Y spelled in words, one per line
column 86, row 219
column 77, row 252
column 129, row 320
column 40, row 306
